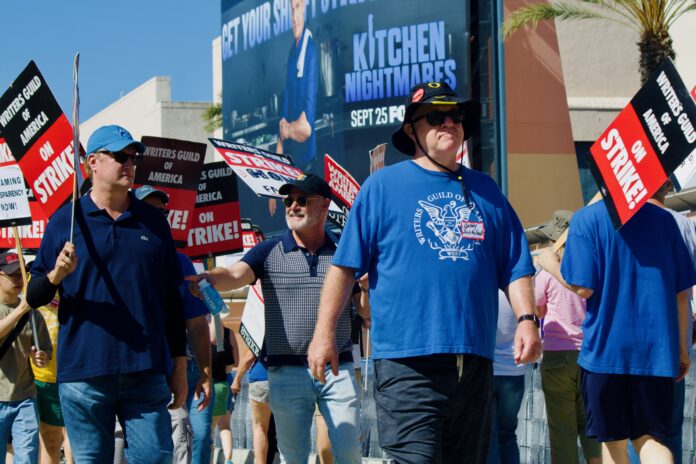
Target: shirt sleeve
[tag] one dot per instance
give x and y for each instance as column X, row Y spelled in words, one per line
column 40, row 291
column 193, row 307
column 175, row 324
column 355, row 249
column 579, row 265
column 256, row 257
column 512, row 251
column 684, row 265
column 540, row 286
column 310, row 103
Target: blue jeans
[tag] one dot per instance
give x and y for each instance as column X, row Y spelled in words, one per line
column 139, row 400
column 294, row 394
column 507, row 399
column 674, row 443
column 22, row 420
column 200, row 420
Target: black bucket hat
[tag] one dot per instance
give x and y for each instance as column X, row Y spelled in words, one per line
column 435, row 93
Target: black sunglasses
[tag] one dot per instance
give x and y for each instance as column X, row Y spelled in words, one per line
column 301, row 201
column 121, row 157
column 437, row 118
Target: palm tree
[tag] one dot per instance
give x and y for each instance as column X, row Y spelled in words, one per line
column 650, row 18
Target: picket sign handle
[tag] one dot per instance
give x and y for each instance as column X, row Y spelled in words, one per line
column 76, row 141
column 23, row 268
column 367, row 359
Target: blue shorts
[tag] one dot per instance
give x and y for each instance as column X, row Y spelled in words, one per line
column 619, row 407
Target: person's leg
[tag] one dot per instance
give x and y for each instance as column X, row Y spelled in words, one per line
column 67, row 450
column 89, row 411
column 323, row 442
column 7, row 414
column 292, row 401
column 652, row 451
column 51, row 439
column 181, row 436
column 260, row 420
column 558, row 371
column 510, row 392
column 272, row 441
column 201, row 421
column 339, row 405
column 222, row 393
column 469, row 412
column 25, row 433
column 411, row 406
column 614, row 452
column 142, row 412
column 226, row 436
column 493, row 451
column 674, row 441
column 591, row 448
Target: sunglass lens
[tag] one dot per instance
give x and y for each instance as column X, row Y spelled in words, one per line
column 121, row 157
column 301, row 201
column 437, row 118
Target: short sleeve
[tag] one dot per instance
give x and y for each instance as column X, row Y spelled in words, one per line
column 355, row 247
column 684, row 265
column 512, row 251
column 579, row 266
column 193, row 307
column 256, row 257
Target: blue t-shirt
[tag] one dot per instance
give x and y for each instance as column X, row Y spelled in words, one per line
column 300, row 95
column 259, row 371
column 117, row 305
column 193, row 307
column 435, row 262
column 631, row 326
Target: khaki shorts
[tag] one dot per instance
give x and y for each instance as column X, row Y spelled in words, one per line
column 258, row 391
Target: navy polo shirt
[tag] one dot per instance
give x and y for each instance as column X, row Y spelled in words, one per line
column 123, row 298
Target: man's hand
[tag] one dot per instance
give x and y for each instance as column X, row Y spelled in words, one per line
column 204, row 387
column 322, row 350
column 283, row 129
column 40, row 357
column 527, row 342
column 65, row 264
column 684, row 364
column 193, row 283
column 177, row 383
column 236, row 386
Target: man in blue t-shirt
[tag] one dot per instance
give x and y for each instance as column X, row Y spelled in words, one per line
column 634, row 333
column 438, row 241
column 122, row 330
column 296, row 128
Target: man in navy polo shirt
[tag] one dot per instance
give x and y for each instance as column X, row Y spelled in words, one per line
column 292, row 268
column 121, row 321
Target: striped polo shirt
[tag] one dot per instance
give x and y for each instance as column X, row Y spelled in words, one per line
column 291, row 280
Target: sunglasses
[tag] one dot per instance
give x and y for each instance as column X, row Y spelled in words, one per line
column 437, row 118
column 121, row 157
column 301, row 201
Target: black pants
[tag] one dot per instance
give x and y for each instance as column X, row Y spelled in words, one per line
column 427, row 413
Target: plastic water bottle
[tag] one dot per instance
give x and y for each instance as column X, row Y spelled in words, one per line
column 211, row 297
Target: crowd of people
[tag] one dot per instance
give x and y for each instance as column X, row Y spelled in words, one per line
column 121, row 361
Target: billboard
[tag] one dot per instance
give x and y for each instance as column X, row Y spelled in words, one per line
column 331, row 77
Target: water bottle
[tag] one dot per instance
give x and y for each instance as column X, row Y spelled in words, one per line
column 211, row 297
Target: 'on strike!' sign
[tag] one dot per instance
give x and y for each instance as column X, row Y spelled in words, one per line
column 644, row 144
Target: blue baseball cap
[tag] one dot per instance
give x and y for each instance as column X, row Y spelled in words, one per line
column 146, row 190
column 112, row 138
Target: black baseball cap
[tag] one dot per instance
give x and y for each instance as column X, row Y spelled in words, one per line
column 9, row 262
column 435, row 93
column 308, row 183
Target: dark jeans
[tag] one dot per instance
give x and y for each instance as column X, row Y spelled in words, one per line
column 507, row 399
column 429, row 411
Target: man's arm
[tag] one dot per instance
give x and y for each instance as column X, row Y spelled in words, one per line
column 550, row 262
column 10, row 321
column 224, row 278
column 298, row 130
column 683, row 318
column 42, row 288
column 527, row 346
column 322, row 350
column 245, row 364
column 199, row 338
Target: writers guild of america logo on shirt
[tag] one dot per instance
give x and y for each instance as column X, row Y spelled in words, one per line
column 448, row 225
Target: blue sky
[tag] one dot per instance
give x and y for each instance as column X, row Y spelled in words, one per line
column 122, row 44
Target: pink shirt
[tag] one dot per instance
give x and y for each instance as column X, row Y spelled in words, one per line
column 564, row 316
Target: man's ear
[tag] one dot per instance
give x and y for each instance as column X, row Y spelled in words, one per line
column 408, row 130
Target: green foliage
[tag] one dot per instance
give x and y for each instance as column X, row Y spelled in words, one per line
column 213, row 117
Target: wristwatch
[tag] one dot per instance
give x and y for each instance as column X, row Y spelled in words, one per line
column 530, row 317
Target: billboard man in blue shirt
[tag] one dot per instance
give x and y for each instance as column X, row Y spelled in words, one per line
column 296, row 128
column 438, row 241
column 634, row 334
column 122, row 331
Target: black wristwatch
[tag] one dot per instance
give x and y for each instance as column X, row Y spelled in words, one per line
column 530, row 317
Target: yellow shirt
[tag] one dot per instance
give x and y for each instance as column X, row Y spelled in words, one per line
column 50, row 315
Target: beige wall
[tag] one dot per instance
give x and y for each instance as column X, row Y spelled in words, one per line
column 542, row 168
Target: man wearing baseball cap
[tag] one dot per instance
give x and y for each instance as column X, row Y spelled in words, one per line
column 122, row 332
column 438, row 240
column 292, row 269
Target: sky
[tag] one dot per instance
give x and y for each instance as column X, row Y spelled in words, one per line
column 122, row 44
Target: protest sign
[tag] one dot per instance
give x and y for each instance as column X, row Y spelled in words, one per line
column 683, row 177
column 173, row 166
column 30, row 234
column 39, row 136
column 14, row 202
column 253, row 324
column 251, row 236
column 377, row 157
column 264, row 172
column 216, row 224
column 644, row 144
column 344, row 188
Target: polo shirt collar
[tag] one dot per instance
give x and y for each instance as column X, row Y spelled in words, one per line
column 91, row 209
column 290, row 244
